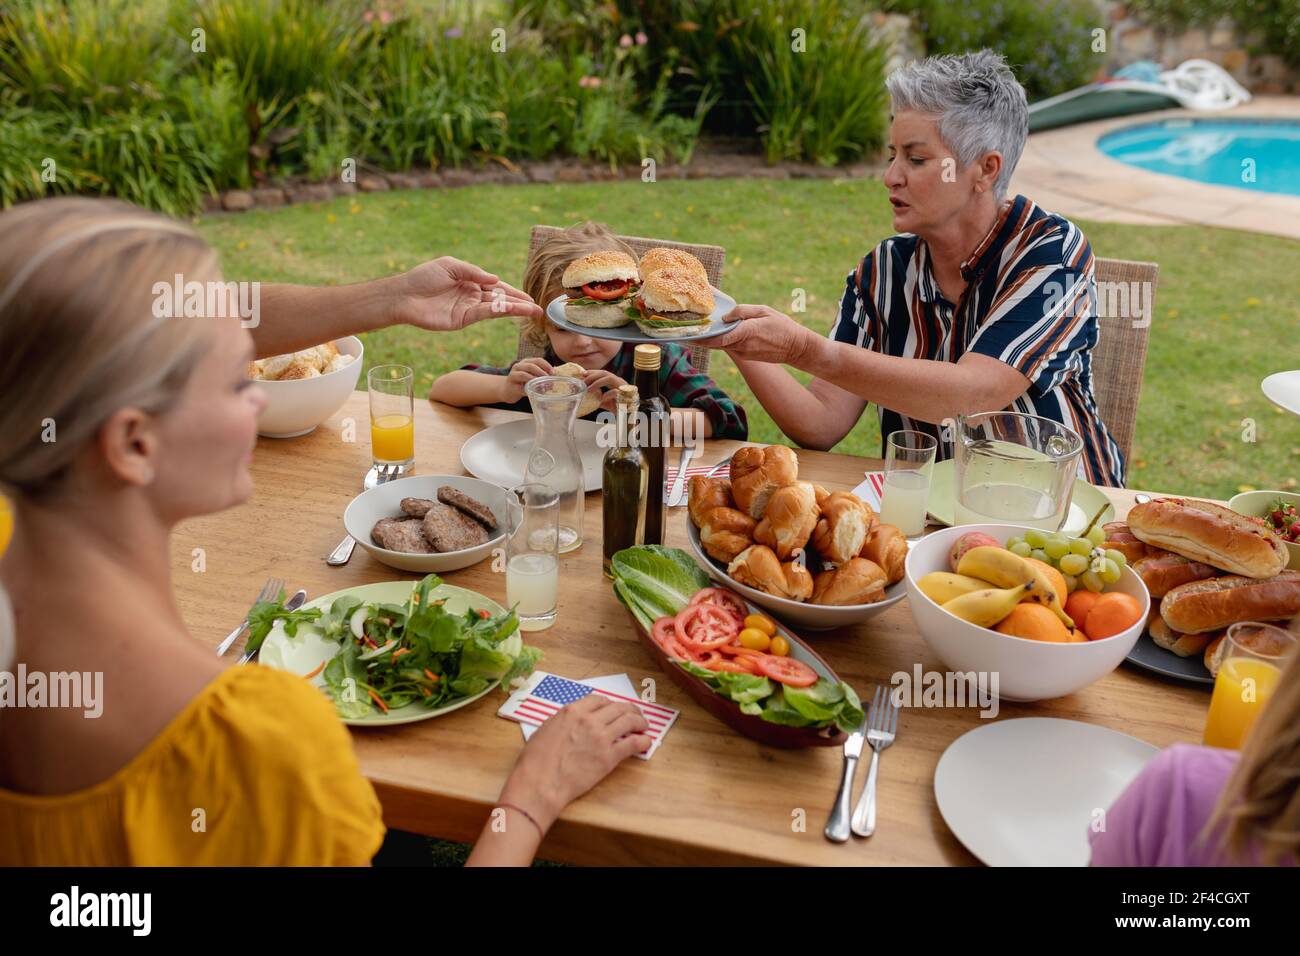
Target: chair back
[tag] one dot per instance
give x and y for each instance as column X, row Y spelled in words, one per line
column 1126, row 292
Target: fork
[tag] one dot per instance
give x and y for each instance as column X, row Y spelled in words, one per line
column 881, row 726
column 295, row 602
column 343, row 553
column 269, row 590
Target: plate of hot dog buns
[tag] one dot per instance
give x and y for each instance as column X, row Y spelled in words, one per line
column 1207, row 568
column 816, row 557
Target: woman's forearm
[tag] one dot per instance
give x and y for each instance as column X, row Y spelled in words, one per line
column 294, row 317
column 507, row 839
column 465, row 387
column 801, row 415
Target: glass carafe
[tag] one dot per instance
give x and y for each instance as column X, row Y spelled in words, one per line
column 554, row 459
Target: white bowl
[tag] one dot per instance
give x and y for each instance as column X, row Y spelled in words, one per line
column 383, row 501
column 297, row 407
column 1027, row 670
column 802, row 616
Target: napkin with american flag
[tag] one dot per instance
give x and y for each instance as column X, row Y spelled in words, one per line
column 542, row 697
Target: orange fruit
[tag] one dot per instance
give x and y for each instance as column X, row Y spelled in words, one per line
column 1034, row 622
column 1079, row 604
column 1110, row 614
column 1078, row 637
column 1056, row 577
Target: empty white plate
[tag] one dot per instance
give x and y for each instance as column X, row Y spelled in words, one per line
column 1024, row 792
column 499, row 454
column 1283, row 388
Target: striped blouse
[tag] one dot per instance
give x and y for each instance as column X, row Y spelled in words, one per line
column 1030, row 301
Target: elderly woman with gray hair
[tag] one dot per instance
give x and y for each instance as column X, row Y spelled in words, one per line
column 980, row 303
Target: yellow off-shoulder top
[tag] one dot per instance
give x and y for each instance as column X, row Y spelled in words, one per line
column 255, row 770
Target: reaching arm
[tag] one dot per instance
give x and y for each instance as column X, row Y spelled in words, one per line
column 817, row 415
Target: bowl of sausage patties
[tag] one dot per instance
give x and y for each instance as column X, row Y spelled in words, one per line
column 429, row 522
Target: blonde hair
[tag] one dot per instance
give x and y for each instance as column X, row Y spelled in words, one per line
column 78, row 336
column 547, row 265
column 1260, row 805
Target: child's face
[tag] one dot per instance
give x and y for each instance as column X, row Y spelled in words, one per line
column 588, row 352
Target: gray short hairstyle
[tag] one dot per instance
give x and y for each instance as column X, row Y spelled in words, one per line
column 980, row 104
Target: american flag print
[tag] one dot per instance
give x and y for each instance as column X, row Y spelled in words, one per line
column 551, row 693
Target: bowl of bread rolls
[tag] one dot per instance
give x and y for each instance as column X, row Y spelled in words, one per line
column 305, row 388
column 817, row 558
column 1207, row 567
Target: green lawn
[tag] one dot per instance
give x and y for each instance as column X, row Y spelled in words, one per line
column 1227, row 310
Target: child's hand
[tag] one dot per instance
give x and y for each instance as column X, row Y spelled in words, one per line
column 523, row 372
column 600, row 378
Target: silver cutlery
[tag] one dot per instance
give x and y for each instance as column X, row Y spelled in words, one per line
column 838, row 825
column 381, row 473
column 292, row 604
column 270, row 589
column 1141, row 498
column 676, row 494
column 718, row 467
column 882, row 723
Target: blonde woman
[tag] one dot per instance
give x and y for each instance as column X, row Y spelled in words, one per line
column 114, row 426
column 1203, row 806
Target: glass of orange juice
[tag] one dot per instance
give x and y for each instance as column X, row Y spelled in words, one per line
column 6, row 523
column 1253, row 657
column 392, row 416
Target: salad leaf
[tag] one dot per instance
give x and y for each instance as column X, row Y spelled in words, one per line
column 744, row 688
column 659, row 322
column 264, row 614
column 345, row 677
column 660, row 580
column 778, row 711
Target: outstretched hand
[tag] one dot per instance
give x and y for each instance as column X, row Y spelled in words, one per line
column 446, row 294
column 762, row 334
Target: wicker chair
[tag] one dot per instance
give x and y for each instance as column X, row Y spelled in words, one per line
column 1120, row 355
column 713, row 258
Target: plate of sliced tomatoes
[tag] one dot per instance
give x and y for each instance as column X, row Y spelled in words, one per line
column 719, row 631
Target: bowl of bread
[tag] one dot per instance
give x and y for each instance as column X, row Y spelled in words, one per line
column 429, row 523
column 305, row 388
column 817, row 558
column 1207, row 567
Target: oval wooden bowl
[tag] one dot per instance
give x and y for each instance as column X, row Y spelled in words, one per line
column 727, row 711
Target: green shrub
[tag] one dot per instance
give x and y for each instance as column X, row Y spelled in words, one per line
column 27, row 139
column 1276, row 22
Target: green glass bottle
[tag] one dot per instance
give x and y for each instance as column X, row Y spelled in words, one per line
column 624, row 481
column 653, row 434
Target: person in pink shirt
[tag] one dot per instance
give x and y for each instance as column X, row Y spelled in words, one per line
column 1203, row 806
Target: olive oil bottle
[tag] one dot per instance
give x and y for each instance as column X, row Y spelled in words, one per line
column 653, row 426
column 624, row 481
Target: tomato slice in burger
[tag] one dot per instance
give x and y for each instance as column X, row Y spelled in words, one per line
column 721, row 597
column 606, row 291
column 705, row 627
column 787, row 670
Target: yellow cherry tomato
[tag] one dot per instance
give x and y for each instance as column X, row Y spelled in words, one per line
column 760, row 623
column 780, row 647
column 754, row 639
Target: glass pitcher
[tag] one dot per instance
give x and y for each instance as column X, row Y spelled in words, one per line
column 554, row 459
column 1015, row 469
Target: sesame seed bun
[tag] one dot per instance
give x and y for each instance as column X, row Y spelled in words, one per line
column 661, row 257
column 599, row 267
column 671, row 291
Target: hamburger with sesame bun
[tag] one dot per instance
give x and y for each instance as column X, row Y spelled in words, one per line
column 662, row 257
column 672, row 305
column 600, row 288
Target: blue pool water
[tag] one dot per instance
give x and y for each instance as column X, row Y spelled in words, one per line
column 1225, row 152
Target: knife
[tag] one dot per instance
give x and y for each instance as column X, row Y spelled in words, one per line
column 838, row 826
column 679, row 483
column 295, row 602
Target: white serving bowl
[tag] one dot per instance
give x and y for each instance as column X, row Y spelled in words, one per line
column 1027, row 670
column 383, row 501
column 800, row 615
column 297, row 407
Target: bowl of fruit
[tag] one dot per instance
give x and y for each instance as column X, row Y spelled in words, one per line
column 1048, row 613
column 1280, row 511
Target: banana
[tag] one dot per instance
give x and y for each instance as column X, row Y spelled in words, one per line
column 1007, row 570
column 986, row 607
column 942, row 586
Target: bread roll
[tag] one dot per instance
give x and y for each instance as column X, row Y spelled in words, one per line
column 299, row 369
column 1163, row 571
column 756, row 472
column 339, row 361
column 1211, row 605
column 275, row 366
column 857, row 581
column 1123, row 540
column 1184, row 645
column 887, row 546
column 603, row 266
column 725, row 532
column 662, row 257
column 1207, row 532
column 590, row 399
column 758, row 567
column 842, row 529
column 789, row 519
column 704, row 494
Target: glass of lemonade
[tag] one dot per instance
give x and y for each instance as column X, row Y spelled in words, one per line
column 1253, row 657
column 533, row 554
column 1014, row 468
column 905, row 499
column 392, row 416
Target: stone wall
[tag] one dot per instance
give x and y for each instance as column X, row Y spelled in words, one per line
column 1131, row 39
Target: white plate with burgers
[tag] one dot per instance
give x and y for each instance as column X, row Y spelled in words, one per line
column 665, row 297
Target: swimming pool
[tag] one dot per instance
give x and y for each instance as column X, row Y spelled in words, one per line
column 1225, row 152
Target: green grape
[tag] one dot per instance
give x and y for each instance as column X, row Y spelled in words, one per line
column 1012, row 542
column 1074, row 564
column 1081, row 546
column 1021, row 548
column 1116, row 556
column 1071, row 582
column 1035, row 538
column 1096, row 536
column 1057, row 548
column 1092, row 581
column 1038, row 554
column 1109, row 571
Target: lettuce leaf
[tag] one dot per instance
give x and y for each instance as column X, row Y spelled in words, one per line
column 658, row 580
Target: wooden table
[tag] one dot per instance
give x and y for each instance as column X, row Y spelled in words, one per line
column 709, row 796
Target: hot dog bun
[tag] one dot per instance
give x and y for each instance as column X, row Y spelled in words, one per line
column 1211, row 605
column 1209, row 533
column 1184, row 645
column 1163, row 571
